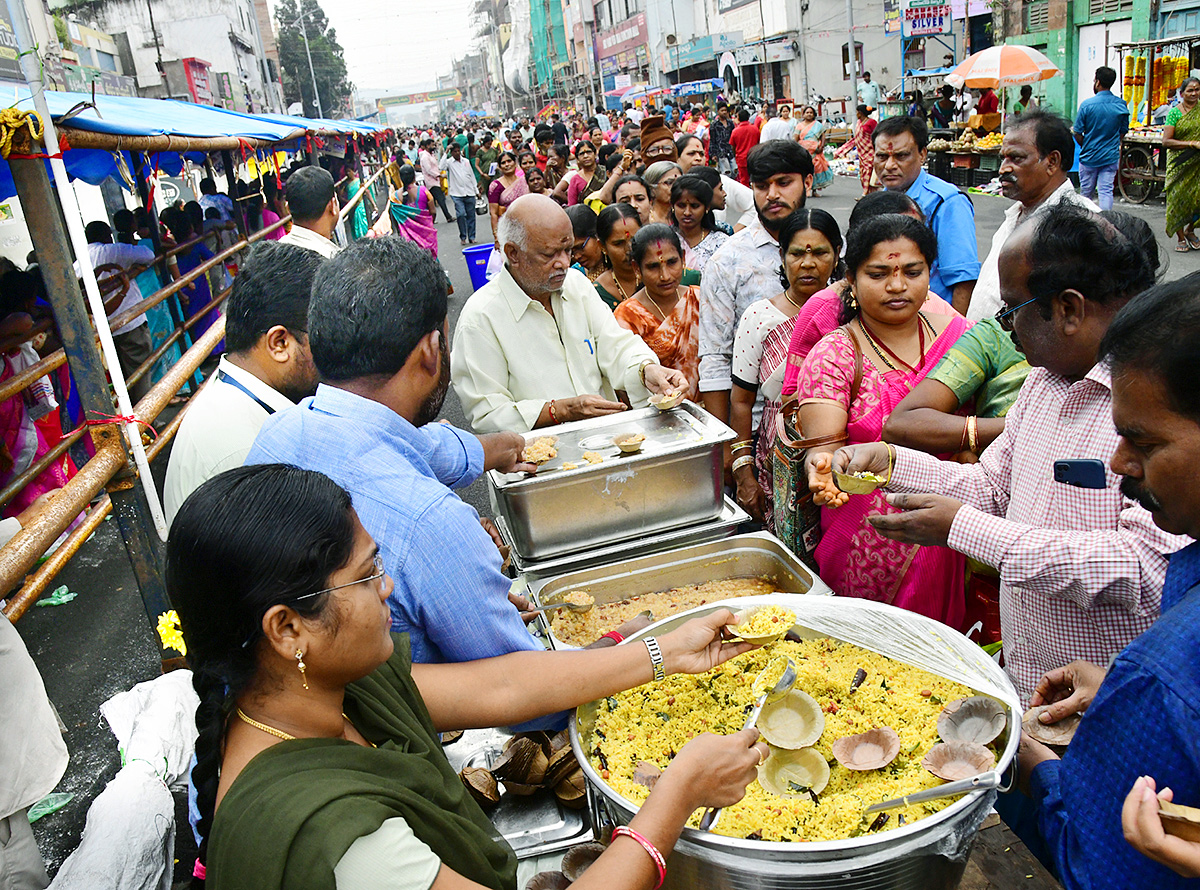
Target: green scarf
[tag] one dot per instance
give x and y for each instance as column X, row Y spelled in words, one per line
column 297, row 807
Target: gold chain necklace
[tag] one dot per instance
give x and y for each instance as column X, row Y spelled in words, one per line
column 279, row 733
column 654, row 303
column 625, row 296
column 787, row 295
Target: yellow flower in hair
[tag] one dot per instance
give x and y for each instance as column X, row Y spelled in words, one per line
column 170, row 633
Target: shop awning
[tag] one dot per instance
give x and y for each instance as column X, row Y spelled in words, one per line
column 100, row 131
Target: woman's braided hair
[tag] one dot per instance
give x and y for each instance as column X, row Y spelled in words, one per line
column 243, row 542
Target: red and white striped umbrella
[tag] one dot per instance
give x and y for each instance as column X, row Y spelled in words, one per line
column 1002, row 66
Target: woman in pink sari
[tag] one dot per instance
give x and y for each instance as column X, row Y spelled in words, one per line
column 412, row 212
column 849, row 384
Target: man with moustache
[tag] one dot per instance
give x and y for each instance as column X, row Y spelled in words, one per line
column 536, row 346
column 1081, row 569
column 377, row 331
column 1037, row 153
column 746, row 267
column 1140, row 726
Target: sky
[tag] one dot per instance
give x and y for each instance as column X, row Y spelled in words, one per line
column 399, row 46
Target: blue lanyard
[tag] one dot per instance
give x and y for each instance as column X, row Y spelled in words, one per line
column 236, row 384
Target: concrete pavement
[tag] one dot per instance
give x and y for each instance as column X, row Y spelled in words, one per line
column 100, row 643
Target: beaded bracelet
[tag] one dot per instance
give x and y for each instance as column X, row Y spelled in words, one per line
column 659, row 862
column 614, row 636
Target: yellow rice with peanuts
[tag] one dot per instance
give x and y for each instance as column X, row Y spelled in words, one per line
column 654, row 721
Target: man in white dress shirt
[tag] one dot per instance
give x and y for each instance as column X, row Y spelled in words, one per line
column 536, row 346
column 268, row 368
column 313, row 201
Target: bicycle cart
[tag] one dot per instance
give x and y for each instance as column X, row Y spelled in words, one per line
column 1142, row 169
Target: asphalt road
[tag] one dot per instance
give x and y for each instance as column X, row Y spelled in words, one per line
column 100, row 643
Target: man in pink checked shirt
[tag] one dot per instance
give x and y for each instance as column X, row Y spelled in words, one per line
column 1081, row 569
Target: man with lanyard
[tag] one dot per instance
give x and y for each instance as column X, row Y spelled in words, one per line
column 901, row 146
column 268, row 368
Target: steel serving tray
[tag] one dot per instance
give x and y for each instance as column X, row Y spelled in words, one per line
column 758, row 555
column 675, row 480
column 533, row 825
column 722, row 527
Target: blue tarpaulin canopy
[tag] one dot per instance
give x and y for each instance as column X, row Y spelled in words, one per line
column 696, row 87
column 96, row 128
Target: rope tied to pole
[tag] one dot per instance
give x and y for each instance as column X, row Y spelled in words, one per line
column 107, row 419
column 13, row 122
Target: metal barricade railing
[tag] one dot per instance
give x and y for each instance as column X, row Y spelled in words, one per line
column 27, row 546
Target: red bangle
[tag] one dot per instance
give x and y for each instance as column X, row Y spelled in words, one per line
column 553, row 418
column 614, row 636
column 659, row 862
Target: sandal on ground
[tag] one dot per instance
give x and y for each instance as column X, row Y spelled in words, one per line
column 1193, row 240
column 1182, row 247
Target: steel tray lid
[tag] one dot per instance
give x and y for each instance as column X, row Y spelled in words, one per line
column 685, row 428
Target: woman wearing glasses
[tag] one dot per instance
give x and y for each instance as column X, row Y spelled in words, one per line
column 849, row 384
column 318, row 761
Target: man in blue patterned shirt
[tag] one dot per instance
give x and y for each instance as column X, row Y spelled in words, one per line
column 377, row 329
column 1141, row 724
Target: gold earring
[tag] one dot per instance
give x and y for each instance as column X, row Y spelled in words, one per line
column 300, row 664
column 853, row 300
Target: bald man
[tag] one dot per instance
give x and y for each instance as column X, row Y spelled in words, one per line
column 536, row 346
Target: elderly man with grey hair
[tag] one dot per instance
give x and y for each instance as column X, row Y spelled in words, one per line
column 536, row 346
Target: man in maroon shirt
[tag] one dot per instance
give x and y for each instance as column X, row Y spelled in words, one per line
column 743, row 138
column 989, row 102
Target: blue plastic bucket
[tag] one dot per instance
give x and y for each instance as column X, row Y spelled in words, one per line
column 477, row 258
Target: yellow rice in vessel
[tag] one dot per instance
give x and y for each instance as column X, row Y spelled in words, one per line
column 654, row 721
column 581, row 628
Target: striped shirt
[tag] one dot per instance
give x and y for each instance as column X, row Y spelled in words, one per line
column 1081, row 570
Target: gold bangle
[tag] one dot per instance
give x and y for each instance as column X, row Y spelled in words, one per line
column 973, row 433
column 891, row 462
column 642, row 371
column 739, row 446
column 744, row 461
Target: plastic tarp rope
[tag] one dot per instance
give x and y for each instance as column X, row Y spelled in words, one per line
column 128, row 842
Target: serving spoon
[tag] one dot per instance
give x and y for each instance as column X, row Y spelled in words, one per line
column 574, row 607
column 778, row 691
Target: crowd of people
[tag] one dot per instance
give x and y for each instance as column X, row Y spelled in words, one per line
column 334, row 590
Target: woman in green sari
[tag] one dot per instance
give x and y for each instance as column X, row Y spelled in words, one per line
column 358, row 217
column 318, row 760
column 1181, row 138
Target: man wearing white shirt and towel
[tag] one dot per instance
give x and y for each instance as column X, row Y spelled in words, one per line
column 313, row 201
column 536, row 346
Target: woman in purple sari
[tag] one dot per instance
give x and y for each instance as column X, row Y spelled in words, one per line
column 412, row 212
column 849, row 384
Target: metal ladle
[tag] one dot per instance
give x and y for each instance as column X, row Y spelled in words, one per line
column 573, row 607
column 776, row 692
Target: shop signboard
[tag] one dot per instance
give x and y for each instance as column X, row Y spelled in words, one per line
column 749, row 55
column 418, row 98
column 625, row 37
column 919, row 18
column 702, row 49
column 726, row 5
column 891, row 17
column 10, row 63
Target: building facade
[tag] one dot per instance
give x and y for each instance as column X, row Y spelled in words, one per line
column 206, row 51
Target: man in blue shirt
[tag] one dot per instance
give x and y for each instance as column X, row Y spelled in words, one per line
column 901, row 146
column 1145, row 717
column 1101, row 122
column 376, row 327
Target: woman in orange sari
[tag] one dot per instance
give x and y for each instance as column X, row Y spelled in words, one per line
column 663, row 313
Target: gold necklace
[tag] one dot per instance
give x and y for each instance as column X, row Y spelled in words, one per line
column 787, row 295
column 279, row 733
column 654, row 303
column 625, row 296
